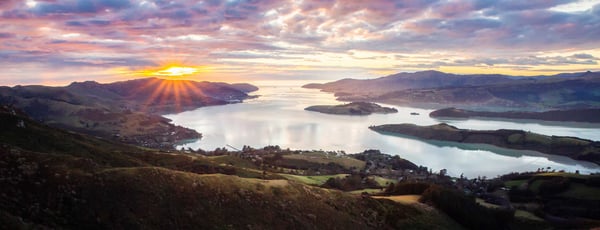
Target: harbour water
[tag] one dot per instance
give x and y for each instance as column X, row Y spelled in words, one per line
column 277, row 117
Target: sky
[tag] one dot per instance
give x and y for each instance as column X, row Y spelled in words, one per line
column 59, row 41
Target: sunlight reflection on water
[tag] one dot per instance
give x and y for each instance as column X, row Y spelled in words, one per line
column 278, row 117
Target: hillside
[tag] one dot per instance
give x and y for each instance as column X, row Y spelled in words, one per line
column 57, row 179
column 417, row 80
column 128, row 111
column 498, row 92
column 572, row 147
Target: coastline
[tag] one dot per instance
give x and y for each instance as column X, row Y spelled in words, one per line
column 572, row 147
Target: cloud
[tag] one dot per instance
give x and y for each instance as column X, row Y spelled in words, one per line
column 584, row 56
column 6, row 35
column 308, row 32
column 530, row 61
column 79, row 6
column 69, row 60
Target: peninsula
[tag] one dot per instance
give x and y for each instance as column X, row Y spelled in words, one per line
column 354, row 108
column 573, row 147
column 575, row 115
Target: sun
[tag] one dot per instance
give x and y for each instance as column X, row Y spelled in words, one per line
column 176, row 71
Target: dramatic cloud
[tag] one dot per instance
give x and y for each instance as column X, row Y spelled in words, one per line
column 250, row 39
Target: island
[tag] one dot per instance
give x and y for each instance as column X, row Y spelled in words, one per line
column 573, row 147
column 354, row 108
column 574, row 115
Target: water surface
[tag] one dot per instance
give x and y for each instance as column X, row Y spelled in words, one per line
column 278, row 117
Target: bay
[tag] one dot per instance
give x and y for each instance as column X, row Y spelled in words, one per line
column 277, row 117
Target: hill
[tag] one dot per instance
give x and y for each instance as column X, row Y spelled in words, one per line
column 128, row 111
column 576, row 115
column 417, row 80
column 491, row 91
column 52, row 178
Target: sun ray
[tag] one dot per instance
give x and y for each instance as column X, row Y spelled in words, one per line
column 170, row 88
column 164, row 96
column 156, row 93
column 194, row 89
column 177, row 94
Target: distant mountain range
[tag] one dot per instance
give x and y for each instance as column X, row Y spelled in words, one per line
column 489, row 91
column 127, row 110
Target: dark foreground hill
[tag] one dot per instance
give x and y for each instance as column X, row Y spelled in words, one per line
column 51, row 178
column 128, row 111
column 500, row 92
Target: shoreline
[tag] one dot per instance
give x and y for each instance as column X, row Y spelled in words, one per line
column 572, row 147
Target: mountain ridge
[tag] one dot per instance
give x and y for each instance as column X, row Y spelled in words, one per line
column 129, row 111
column 434, row 89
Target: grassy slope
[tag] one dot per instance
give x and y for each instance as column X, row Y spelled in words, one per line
column 324, row 158
column 575, row 190
column 312, row 180
column 57, row 179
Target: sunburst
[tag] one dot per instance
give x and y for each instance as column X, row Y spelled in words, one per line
column 173, row 94
column 176, row 71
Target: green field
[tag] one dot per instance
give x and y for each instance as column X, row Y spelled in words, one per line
column 367, row 190
column 512, row 183
column 234, row 161
column 325, row 158
column 312, row 180
column 402, row 199
column 535, row 186
column 382, row 181
column 486, row 204
column 570, row 175
column 526, row 215
column 581, row 191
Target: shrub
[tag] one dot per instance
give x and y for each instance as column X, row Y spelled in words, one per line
column 593, row 181
column 520, row 195
column 415, row 188
column 554, row 185
column 351, row 182
column 465, row 210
